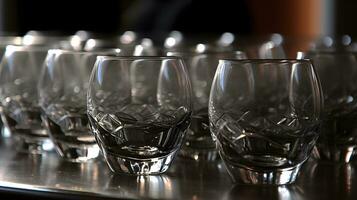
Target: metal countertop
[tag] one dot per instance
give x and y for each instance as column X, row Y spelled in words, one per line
column 186, row 179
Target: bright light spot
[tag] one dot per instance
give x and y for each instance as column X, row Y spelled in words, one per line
column 47, row 145
column 226, row 39
column 76, row 42
column 327, row 41
column 300, row 55
column 128, row 37
column 28, row 39
column 9, row 50
column 349, row 99
column 83, row 35
column 195, row 157
column 5, row 132
column 174, row 38
column 177, row 35
column 269, row 45
column 170, row 42
column 17, row 40
column 138, row 50
column 346, row 40
column 117, row 51
column 33, row 33
column 91, row 43
column 146, row 42
column 284, row 193
column 277, row 39
column 200, row 48
column 76, row 89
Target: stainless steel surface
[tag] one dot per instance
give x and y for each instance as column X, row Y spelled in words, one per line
column 185, row 179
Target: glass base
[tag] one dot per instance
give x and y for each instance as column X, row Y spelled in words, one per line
column 199, row 154
column 77, row 153
column 245, row 175
column 139, row 166
column 342, row 154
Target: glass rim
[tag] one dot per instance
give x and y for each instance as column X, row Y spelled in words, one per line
column 26, row 48
column 267, row 61
column 194, row 53
column 133, row 58
column 74, row 52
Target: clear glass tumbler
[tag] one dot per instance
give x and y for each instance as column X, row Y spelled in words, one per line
column 20, row 113
column 337, row 71
column 139, row 110
column 62, row 92
column 198, row 143
column 265, row 116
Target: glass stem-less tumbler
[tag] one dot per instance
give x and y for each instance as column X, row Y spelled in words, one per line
column 63, row 95
column 265, row 118
column 139, row 110
column 337, row 71
column 198, row 144
column 20, row 112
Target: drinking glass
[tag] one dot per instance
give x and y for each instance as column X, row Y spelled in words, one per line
column 337, row 71
column 198, row 143
column 264, row 116
column 20, row 113
column 4, row 42
column 139, row 110
column 62, row 96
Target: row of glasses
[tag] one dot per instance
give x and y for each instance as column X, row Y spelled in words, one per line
column 139, row 109
column 263, row 114
column 264, row 132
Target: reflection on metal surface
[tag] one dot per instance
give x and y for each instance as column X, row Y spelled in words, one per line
column 153, row 187
column 337, row 180
column 186, row 179
column 265, row 192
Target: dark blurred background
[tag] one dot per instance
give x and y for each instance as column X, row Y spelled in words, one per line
column 156, row 17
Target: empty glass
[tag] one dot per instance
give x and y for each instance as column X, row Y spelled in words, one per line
column 337, row 71
column 264, row 117
column 20, row 113
column 62, row 92
column 139, row 110
column 198, row 143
